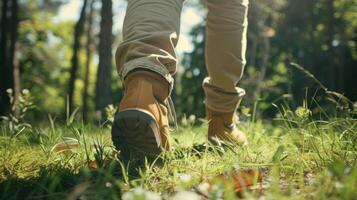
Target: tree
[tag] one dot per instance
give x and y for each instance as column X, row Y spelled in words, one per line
column 103, row 94
column 89, row 50
column 322, row 39
column 78, row 32
column 14, row 46
column 45, row 51
column 10, row 75
column 6, row 77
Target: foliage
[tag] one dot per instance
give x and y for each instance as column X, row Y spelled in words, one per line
column 44, row 54
column 322, row 41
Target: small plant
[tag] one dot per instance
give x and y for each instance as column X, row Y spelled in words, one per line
column 15, row 120
column 188, row 121
column 103, row 153
column 110, row 110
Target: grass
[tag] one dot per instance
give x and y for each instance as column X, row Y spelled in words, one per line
column 300, row 157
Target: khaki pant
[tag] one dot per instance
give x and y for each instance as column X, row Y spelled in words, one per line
column 150, row 35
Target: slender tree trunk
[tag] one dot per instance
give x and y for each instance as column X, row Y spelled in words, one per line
column 5, row 70
column 16, row 77
column 78, row 31
column 1, row 6
column 331, row 81
column 335, row 64
column 103, row 86
column 89, row 50
column 14, row 46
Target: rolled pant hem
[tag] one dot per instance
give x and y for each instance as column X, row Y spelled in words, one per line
column 223, row 110
column 219, row 99
column 142, row 63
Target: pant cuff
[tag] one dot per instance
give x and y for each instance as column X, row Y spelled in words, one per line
column 143, row 63
column 219, row 100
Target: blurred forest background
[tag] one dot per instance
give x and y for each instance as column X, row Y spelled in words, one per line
column 69, row 64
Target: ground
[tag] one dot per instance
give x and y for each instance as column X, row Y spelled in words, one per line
column 293, row 156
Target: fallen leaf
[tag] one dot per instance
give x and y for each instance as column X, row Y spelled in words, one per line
column 244, row 179
column 64, row 148
column 68, row 147
column 92, row 164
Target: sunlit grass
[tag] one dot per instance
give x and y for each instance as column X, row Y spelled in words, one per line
column 300, row 154
column 301, row 157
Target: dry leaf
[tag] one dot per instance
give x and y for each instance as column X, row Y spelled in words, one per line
column 64, row 148
column 67, row 148
column 92, row 164
column 244, row 179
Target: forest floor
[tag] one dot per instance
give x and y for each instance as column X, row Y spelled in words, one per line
column 294, row 157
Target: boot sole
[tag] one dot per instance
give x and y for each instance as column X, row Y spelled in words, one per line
column 136, row 134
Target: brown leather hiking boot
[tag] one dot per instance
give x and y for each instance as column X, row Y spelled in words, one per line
column 221, row 126
column 142, row 125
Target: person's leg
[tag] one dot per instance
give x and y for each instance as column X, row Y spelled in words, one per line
column 146, row 60
column 226, row 31
column 225, row 57
column 150, row 34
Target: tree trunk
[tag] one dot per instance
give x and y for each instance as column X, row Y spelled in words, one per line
column 14, row 46
column 16, row 77
column 89, row 50
column 331, row 81
column 5, row 70
column 103, row 86
column 10, row 73
column 78, row 31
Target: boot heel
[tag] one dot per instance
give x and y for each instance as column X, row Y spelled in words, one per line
column 135, row 132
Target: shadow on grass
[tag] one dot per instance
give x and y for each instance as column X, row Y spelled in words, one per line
column 58, row 182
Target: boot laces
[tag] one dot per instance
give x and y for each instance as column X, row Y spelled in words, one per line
column 171, row 110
